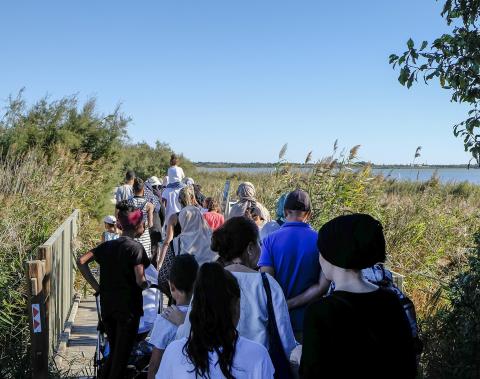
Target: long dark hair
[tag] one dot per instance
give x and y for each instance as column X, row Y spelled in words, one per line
column 214, row 308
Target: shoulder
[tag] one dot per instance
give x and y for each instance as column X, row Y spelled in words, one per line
column 176, row 347
column 246, row 346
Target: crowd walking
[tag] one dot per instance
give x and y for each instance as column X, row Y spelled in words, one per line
column 248, row 296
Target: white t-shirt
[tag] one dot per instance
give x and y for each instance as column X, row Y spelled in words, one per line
column 164, row 331
column 173, row 205
column 151, row 297
column 175, row 174
column 251, row 361
column 254, row 314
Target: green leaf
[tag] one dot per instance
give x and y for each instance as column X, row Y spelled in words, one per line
column 424, row 45
column 410, row 44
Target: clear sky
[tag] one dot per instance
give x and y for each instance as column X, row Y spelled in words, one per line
column 234, row 80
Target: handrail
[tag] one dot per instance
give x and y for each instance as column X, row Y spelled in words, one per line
column 50, row 280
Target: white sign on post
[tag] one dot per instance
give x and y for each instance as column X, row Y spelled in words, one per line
column 36, row 320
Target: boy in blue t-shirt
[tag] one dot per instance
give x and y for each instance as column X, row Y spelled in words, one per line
column 181, row 279
column 290, row 254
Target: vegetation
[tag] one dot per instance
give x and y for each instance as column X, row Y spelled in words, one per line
column 453, row 59
column 428, row 227
column 54, row 157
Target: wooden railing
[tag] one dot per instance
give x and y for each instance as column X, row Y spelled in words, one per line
column 50, row 282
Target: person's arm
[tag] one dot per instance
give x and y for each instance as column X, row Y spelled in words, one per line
column 312, row 293
column 268, row 269
column 150, row 209
column 154, row 364
column 82, row 264
column 140, row 276
column 172, row 221
column 174, row 315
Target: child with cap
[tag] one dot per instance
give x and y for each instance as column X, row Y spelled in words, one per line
column 110, row 233
column 361, row 330
column 181, row 279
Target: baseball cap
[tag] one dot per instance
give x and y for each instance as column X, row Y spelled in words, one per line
column 298, row 200
column 110, row 220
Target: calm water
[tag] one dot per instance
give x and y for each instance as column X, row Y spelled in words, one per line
column 446, row 175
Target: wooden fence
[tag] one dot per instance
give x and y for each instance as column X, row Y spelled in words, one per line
column 50, row 281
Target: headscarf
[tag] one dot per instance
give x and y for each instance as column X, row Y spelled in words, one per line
column 280, row 213
column 353, row 241
column 196, row 236
column 246, row 200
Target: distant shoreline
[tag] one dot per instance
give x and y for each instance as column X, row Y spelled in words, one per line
column 375, row 166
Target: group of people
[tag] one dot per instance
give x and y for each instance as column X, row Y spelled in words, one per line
column 250, row 297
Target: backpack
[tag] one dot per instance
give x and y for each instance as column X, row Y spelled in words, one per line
column 383, row 278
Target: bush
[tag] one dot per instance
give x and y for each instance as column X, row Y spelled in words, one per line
column 37, row 194
column 452, row 334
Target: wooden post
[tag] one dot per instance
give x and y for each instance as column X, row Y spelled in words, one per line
column 226, row 198
column 37, row 315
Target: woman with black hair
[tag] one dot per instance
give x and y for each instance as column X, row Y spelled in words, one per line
column 360, row 330
column 122, row 270
column 214, row 348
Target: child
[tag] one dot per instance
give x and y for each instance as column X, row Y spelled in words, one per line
column 175, row 172
column 110, row 233
column 181, row 279
column 213, row 216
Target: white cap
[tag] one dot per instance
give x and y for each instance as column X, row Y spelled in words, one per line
column 110, row 220
column 153, row 180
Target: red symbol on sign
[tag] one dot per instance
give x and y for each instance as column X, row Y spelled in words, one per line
column 35, row 312
column 36, row 324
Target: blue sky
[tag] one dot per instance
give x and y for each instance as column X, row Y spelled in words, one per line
column 235, row 80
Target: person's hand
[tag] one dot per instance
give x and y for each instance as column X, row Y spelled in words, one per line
column 174, row 315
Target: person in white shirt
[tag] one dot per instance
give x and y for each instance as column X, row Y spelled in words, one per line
column 181, row 279
column 174, row 169
column 214, row 348
column 236, row 242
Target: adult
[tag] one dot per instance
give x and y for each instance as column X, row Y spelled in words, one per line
column 147, row 208
column 237, row 245
column 291, row 256
column 361, row 330
column 196, row 236
column 122, row 262
column 154, row 196
column 246, row 199
column 274, row 225
column 214, row 348
column 186, row 197
column 213, row 216
column 125, row 191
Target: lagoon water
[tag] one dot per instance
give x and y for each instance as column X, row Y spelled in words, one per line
column 446, row 175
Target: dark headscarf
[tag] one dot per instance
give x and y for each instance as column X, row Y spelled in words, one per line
column 353, row 241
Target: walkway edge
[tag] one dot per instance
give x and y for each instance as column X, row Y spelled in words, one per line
column 65, row 336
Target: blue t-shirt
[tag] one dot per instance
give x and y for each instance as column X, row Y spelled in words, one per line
column 292, row 251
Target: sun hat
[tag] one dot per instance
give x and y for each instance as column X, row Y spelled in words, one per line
column 154, row 181
column 352, row 241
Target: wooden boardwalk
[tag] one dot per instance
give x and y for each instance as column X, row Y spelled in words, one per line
column 78, row 359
